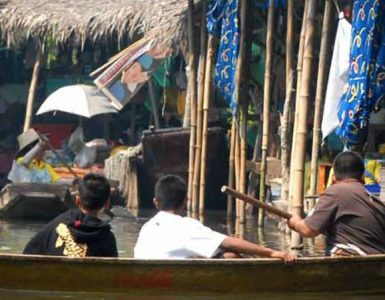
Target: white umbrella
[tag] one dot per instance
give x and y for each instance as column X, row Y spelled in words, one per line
column 82, row 100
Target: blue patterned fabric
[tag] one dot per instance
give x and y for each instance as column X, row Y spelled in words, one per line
column 222, row 21
column 366, row 82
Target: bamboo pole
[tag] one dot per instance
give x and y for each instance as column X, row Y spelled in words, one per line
column 239, row 75
column 231, row 178
column 298, row 90
column 289, row 39
column 237, row 165
column 206, row 105
column 192, row 98
column 266, row 107
column 285, row 131
column 319, row 99
column 201, row 84
column 285, row 150
column 32, row 88
column 153, row 104
column 299, row 161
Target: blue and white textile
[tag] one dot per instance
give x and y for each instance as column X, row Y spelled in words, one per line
column 366, row 83
column 223, row 21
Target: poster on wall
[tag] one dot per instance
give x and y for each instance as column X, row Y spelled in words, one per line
column 123, row 79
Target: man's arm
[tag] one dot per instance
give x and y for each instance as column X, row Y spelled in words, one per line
column 298, row 224
column 242, row 246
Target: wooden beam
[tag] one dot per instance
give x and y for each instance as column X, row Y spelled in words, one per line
column 319, row 99
column 299, row 162
column 266, row 107
column 192, row 99
column 32, row 88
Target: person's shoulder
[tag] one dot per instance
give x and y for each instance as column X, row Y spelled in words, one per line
column 348, row 186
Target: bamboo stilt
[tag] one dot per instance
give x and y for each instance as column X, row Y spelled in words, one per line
column 299, row 162
column 298, row 90
column 285, row 131
column 239, row 75
column 32, row 88
column 285, row 150
column 192, row 94
column 319, row 99
column 266, row 108
column 231, row 169
column 153, row 104
column 237, row 165
column 289, row 39
column 201, row 84
column 206, row 105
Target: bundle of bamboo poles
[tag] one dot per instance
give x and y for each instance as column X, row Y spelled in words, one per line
column 293, row 168
column 199, row 122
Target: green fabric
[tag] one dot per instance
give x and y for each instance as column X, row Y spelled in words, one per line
column 161, row 74
column 258, row 66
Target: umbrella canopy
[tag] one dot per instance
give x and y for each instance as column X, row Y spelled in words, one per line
column 82, row 100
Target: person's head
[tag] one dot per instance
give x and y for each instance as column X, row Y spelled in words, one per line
column 348, row 165
column 94, row 192
column 170, row 193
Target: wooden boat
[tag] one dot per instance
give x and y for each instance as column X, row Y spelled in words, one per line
column 191, row 277
column 34, row 200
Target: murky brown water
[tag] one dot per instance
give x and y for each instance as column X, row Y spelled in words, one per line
column 14, row 235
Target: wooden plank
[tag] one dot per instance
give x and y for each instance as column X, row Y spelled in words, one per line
column 192, row 276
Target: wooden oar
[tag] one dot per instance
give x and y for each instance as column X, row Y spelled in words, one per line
column 59, row 157
column 253, row 201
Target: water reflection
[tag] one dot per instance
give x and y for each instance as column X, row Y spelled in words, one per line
column 15, row 234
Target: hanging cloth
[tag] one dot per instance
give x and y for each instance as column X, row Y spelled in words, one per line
column 222, row 20
column 366, row 83
column 338, row 76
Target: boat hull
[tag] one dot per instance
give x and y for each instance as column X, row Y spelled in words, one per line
column 34, row 201
column 248, row 276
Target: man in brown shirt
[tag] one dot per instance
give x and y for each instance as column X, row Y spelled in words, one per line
column 352, row 219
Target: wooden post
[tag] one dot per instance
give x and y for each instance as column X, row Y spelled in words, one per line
column 299, row 161
column 289, row 40
column 231, row 169
column 237, row 165
column 192, row 95
column 285, row 150
column 319, row 100
column 298, row 90
column 266, row 107
column 153, row 104
column 206, row 105
column 239, row 76
column 201, row 84
column 285, row 130
column 32, row 88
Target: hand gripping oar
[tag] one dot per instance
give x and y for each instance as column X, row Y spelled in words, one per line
column 59, row 157
column 253, row 201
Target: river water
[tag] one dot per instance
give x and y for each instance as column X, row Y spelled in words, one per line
column 15, row 234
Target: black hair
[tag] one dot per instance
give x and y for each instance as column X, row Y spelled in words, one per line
column 171, row 192
column 94, row 191
column 348, row 165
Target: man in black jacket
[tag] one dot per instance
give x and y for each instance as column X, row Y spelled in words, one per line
column 79, row 232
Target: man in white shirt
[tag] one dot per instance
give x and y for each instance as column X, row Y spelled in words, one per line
column 169, row 235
